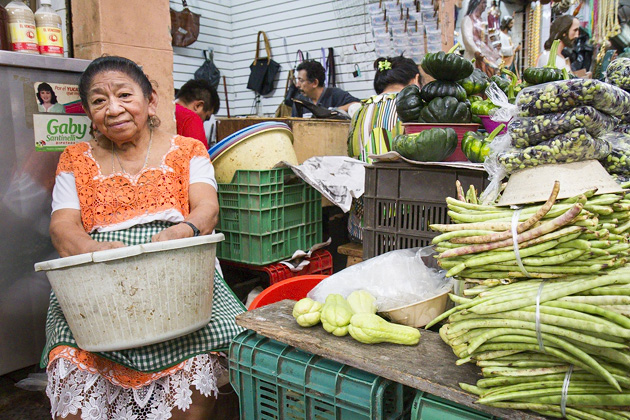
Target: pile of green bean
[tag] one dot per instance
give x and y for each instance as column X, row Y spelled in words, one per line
column 580, row 235
column 569, row 311
column 618, row 73
column 618, row 161
column 583, row 323
column 574, row 146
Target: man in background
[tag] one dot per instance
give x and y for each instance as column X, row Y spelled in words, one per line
column 310, row 81
column 195, row 102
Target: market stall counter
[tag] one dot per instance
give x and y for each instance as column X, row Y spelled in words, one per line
column 429, row 366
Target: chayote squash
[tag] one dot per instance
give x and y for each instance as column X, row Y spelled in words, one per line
column 440, row 89
column 371, row 329
column 445, row 110
column 409, row 103
column 362, row 301
column 336, row 314
column 447, row 66
column 307, row 312
column 477, row 82
column 432, row 145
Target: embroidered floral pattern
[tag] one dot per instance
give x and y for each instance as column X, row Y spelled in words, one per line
column 112, row 199
column 103, row 400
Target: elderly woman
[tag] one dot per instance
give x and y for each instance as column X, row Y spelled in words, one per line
column 134, row 181
column 48, row 99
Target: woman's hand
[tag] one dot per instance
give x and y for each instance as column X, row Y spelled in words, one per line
column 102, row 246
column 69, row 237
column 178, row 231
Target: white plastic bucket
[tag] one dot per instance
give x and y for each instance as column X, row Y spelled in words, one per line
column 138, row 295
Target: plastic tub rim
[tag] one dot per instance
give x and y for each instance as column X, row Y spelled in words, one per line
column 126, row 252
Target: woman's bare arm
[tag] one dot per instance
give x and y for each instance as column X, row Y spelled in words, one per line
column 69, row 237
column 204, row 214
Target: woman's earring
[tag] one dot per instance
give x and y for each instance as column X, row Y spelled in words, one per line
column 154, row 121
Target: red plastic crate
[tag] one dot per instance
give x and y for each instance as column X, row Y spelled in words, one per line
column 320, row 263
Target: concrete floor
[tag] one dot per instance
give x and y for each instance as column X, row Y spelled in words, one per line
column 19, row 404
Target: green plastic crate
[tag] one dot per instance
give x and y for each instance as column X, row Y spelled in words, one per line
column 429, row 407
column 267, row 215
column 277, row 381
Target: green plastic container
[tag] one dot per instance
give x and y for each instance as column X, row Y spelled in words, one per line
column 277, row 381
column 429, row 407
column 267, row 215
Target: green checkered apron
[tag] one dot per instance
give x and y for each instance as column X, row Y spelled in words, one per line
column 215, row 336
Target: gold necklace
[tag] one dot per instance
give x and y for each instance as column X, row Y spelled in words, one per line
column 146, row 159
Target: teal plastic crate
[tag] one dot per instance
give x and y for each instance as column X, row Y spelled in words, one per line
column 429, row 407
column 277, row 381
column 267, row 215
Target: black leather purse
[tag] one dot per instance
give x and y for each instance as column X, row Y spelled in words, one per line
column 263, row 71
column 208, row 71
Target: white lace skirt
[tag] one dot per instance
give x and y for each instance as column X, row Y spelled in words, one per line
column 72, row 390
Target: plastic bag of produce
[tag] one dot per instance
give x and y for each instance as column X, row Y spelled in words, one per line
column 529, row 131
column 565, row 95
column 618, row 161
column 574, row 146
column 506, row 110
column 618, row 73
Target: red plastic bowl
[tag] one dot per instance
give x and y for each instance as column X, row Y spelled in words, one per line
column 294, row 288
column 460, row 130
column 490, row 125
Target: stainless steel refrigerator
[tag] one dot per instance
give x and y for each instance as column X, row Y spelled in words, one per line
column 26, row 181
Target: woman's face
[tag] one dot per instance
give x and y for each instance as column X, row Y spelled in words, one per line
column 45, row 95
column 118, row 107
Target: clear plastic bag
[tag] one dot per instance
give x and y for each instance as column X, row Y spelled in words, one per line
column 564, row 95
column 618, row 161
column 574, row 146
column 395, row 279
column 618, row 73
column 530, row 131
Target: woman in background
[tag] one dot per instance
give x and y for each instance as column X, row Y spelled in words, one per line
column 376, row 122
column 48, row 99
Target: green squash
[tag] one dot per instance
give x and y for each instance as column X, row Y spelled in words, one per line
column 476, row 145
column 432, row 145
column 448, row 66
column 445, row 110
column 477, row 82
column 409, row 104
column 440, row 89
column 549, row 73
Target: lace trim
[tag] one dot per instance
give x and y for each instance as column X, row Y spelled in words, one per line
column 72, row 390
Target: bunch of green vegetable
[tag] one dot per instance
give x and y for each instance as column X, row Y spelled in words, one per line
column 433, row 145
column 356, row 316
column 483, row 107
column 583, row 234
column 476, row 145
column 575, row 146
column 618, row 73
column 524, row 334
column 567, row 94
column 549, row 73
column 529, row 131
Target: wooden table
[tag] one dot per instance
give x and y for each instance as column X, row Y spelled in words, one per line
column 429, row 366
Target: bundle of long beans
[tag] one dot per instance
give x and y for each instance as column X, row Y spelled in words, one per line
column 566, row 309
column 580, row 235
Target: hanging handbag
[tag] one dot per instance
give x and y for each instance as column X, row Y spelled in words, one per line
column 184, row 26
column 208, row 71
column 330, row 68
column 263, row 71
column 284, row 109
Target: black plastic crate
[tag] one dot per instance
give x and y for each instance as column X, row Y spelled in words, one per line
column 401, row 201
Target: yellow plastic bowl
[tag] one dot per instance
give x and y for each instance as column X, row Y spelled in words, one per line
column 420, row 313
column 260, row 151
